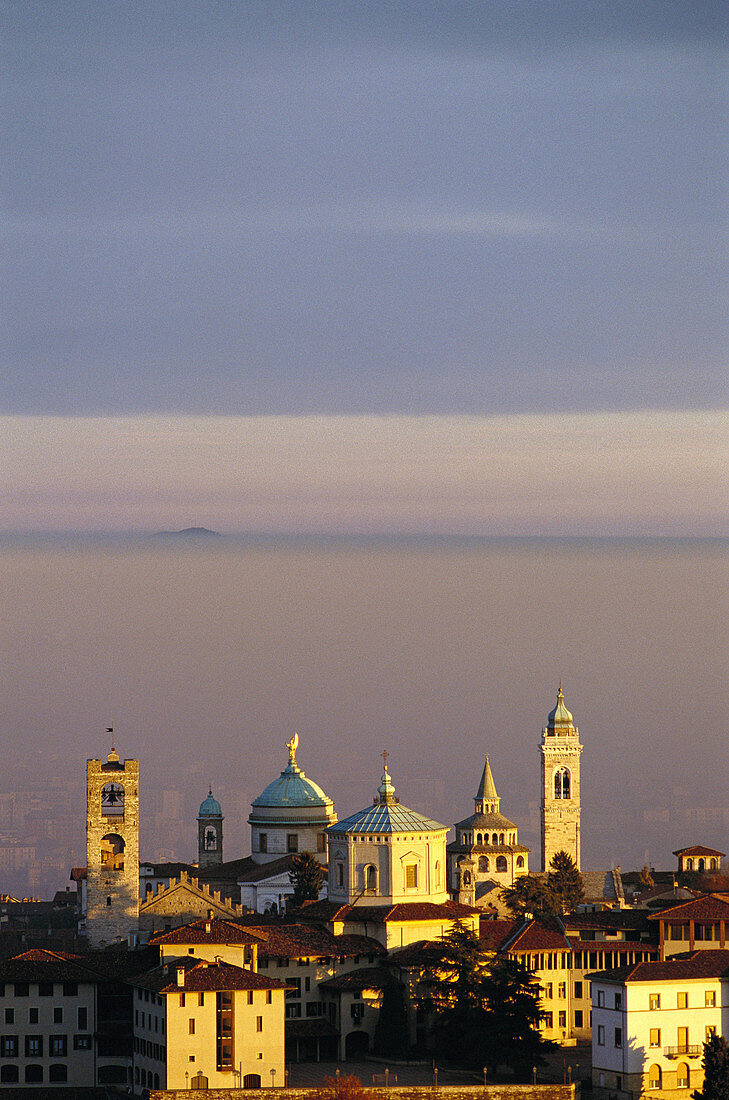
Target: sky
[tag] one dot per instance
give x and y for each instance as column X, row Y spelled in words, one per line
column 382, row 208
column 381, row 269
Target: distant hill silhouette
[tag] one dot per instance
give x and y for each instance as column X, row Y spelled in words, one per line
column 188, row 532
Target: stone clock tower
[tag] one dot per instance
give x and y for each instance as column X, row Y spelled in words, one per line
column 112, row 851
column 561, row 750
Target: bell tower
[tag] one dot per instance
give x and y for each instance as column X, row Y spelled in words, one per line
column 112, row 850
column 210, row 832
column 561, row 750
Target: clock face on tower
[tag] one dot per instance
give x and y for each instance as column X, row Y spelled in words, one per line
column 112, row 800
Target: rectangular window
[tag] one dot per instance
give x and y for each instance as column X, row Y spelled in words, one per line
column 32, row 1015
column 292, row 842
column 201, row 999
column 9, row 1046
column 9, row 1015
column 263, row 842
column 600, row 1035
column 654, row 1001
column 710, row 1030
column 655, row 1036
column 682, row 1000
column 601, row 998
column 562, row 990
column 710, row 998
column 562, row 1019
column 321, row 842
column 33, row 1046
column 45, row 989
column 293, row 1012
column 57, row 1015
column 259, row 1023
column 82, row 1042
column 191, row 1026
column 269, row 998
column 250, row 996
column 548, row 1019
column 296, row 984
column 618, row 1036
column 411, row 876
column 57, row 1046
column 578, row 991
column 182, row 1005
column 70, row 989
column 579, row 1016
column 618, row 1000
column 682, row 1038
column 548, row 991
column 21, row 989
column 224, row 1020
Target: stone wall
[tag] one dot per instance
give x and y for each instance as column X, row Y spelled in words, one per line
column 408, row 1092
column 112, row 905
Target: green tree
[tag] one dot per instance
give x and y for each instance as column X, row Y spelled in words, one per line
column 531, row 895
column 306, row 876
column 716, row 1070
column 485, row 1009
column 564, row 882
column 391, row 1038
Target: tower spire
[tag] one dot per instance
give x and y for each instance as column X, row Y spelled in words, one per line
column 487, row 800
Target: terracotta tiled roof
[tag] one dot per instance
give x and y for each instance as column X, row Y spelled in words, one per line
column 415, row 954
column 609, row 920
column 302, row 941
column 710, row 907
column 698, row 850
column 42, row 965
column 493, row 933
column 535, row 936
column 219, row 975
column 209, row 931
column 373, row 977
column 689, row 964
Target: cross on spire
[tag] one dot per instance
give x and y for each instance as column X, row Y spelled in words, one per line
column 385, row 755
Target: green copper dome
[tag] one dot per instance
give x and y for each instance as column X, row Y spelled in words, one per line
column 210, row 807
column 292, row 788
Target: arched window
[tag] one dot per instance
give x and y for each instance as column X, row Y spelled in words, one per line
column 714, row 864
column 689, row 864
column 520, row 862
column 562, row 783
column 340, row 874
column 112, row 852
column 501, row 863
column 9, row 1075
column 203, row 1081
column 211, row 838
column 483, row 863
column 33, row 1074
column 494, row 839
column 480, row 838
column 466, row 878
column 501, row 838
column 112, row 800
column 682, row 1075
column 654, row 1077
column 148, row 888
column 701, row 865
column 252, row 1081
column 371, row 879
column 58, row 1073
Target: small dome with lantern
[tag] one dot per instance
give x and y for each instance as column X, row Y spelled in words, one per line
column 210, row 807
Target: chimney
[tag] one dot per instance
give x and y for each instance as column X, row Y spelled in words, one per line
column 181, row 976
column 210, row 914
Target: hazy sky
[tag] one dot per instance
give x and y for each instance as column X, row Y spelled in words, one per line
column 364, row 208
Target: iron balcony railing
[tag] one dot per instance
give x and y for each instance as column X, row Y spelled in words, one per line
column 686, row 1050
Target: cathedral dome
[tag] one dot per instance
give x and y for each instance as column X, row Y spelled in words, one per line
column 292, row 788
column 210, row 807
column 387, row 815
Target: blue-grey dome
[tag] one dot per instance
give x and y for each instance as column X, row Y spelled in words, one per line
column 386, row 815
column 292, row 788
column 210, row 807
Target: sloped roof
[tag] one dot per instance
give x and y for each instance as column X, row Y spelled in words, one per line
column 208, row 931
column 42, row 965
column 710, row 907
column 698, row 850
column 689, row 964
column 390, row 817
column 373, row 977
column 536, row 936
column 303, row 941
column 220, row 975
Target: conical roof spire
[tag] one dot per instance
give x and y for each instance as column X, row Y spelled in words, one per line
column 487, row 800
column 487, row 787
